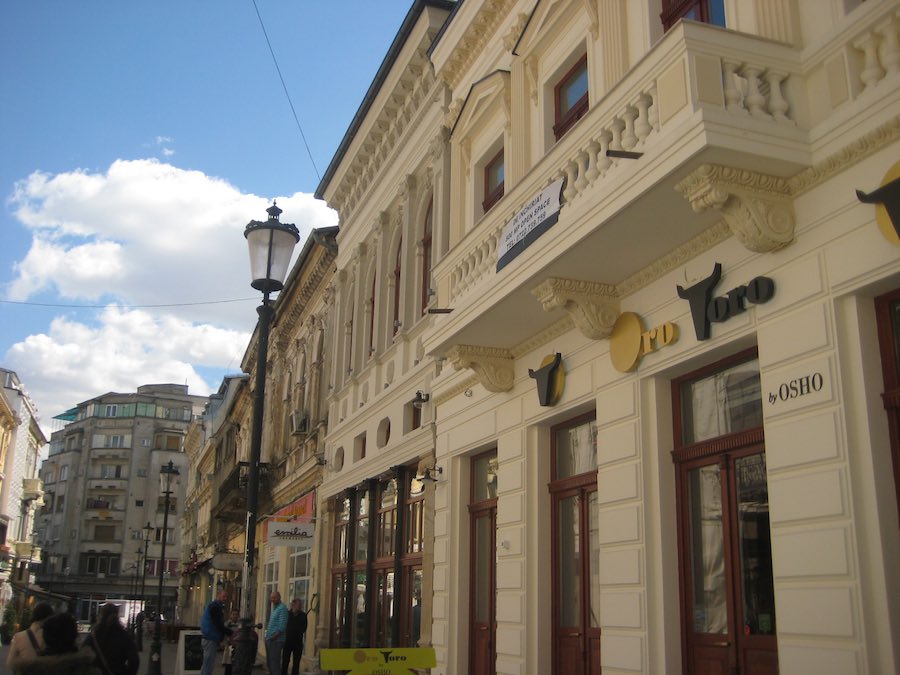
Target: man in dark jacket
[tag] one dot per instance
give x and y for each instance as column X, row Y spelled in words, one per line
column 294, row 635
column 214, row 630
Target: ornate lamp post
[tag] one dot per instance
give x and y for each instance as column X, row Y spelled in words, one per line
column 153, row 668
column 148, row 531
column 271, row 244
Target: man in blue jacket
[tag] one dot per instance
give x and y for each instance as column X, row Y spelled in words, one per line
column 214, row 630
column 275, row 634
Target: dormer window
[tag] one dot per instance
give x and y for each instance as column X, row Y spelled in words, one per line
column 571, row 97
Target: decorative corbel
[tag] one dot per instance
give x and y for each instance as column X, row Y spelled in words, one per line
column 492, row 366
column 757, row 207
column 593, row 306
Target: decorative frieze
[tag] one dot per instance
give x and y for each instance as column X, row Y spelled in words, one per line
column 758, row 208
column 593, row 306
column 492, row 366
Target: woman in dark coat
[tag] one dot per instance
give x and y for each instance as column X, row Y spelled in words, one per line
column 116, row 652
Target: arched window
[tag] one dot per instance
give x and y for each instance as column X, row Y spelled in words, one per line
column 397, row 274
column 426, row 259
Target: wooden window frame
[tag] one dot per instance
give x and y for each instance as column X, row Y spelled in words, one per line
column 493, row 193
column 674, row 10
column 565, row 120
column 890, row 368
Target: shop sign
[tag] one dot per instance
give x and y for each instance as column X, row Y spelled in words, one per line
column 629, row 342
column 706, row 309
column 797, row 388
column 228, row 562
column 290, row 533
column 887, row 204
column 376, row 661
column 299, row 511
column 535, row 218
column 550, row 379
column 792, row 389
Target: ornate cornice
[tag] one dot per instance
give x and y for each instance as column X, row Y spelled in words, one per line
column 400, row 107
column 858, row 150
column 492, row 366
column 593, row 306
column 481, row 30
column 758, row 208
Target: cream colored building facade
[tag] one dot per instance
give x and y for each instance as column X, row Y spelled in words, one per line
column 715, row 495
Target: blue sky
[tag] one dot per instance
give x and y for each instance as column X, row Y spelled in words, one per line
column 137, row 139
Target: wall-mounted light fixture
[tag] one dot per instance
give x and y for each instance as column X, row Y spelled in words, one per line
column 320, row 459
column 431, row 475
column 420, row 400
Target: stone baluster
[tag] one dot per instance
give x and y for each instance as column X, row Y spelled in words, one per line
column 653, row 112
column 570, row 191
column 629, row 140
column 778, row 106
column 642, row 126
column 604, row 162
column 733, row 96
column 755, row 101
column 890, row 48
column 593, row 153
column 582, row 160
column 872, row 71
column 617, row 126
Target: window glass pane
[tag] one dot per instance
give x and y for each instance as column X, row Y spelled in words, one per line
column 415, row 614
column 755, row 545
column 569, row 549
column 573, row 88
column 384, row 610
column 723, row 403
column 707, row 550
column 576, row 450
column 362, row 527
column 494, row 173
column 485, row 477
column 594, row 545
column 360, row 623
column 484, row 561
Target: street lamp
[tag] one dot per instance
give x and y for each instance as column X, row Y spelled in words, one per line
column 153, row 668
column 271, row 244
column 148, row 530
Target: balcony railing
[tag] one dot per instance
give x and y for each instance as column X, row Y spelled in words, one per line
column 701, row 88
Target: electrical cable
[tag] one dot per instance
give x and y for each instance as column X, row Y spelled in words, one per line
column 286, row 93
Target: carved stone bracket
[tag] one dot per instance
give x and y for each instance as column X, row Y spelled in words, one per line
column 593, row 306
column 758, row 208
column 492, row 366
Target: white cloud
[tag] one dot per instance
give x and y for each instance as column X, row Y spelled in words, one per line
column 145, row 232
column 73, row 361
column 142, row 233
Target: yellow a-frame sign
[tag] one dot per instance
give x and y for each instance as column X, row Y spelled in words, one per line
column 378, row 661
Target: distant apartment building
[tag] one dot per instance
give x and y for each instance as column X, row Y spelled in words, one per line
column 21, row 440
column 101, row 528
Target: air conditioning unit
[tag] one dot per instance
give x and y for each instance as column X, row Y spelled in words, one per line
column 299, row 422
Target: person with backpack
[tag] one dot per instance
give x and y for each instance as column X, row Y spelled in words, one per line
column 116, row 652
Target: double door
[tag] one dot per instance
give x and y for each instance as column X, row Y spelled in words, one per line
column 726, row 559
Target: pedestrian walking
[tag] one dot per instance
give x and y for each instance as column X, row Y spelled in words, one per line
column 27, row 643
column 234, row 623
column 294, row 635
column 116, row 652
column 275, row 634
column 213, row 630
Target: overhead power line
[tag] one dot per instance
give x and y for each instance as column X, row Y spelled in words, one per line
column 126, row 306
column 286, row 93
